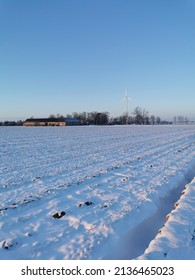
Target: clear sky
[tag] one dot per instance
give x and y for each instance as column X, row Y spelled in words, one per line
column 62, row 56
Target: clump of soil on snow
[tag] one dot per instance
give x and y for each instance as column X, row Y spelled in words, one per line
column 58, row 215
column 87, row 203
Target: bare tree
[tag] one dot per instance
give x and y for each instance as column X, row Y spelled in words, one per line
column 52, row 116
column 138, row 115
column 158, row 120
column 68, row 116
column 141, row 116
column 152, row 119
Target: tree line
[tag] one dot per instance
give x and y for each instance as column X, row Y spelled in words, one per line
column 139, row 116
column 11, row 123
column 180, row 120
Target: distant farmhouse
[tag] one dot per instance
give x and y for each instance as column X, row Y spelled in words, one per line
column 52, row 122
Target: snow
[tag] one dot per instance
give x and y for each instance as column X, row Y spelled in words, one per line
column 97, row 192
column 176, row 240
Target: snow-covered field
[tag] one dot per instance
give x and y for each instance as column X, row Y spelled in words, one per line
column 97, row 192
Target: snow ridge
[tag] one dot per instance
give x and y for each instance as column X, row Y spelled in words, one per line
column 176, row 239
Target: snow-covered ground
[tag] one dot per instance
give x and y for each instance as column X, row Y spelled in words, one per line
column 97, row 192
column 176, row 240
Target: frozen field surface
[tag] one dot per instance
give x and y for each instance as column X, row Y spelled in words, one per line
column 97, row 192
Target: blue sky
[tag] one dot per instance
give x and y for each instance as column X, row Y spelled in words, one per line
column 62, row 56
